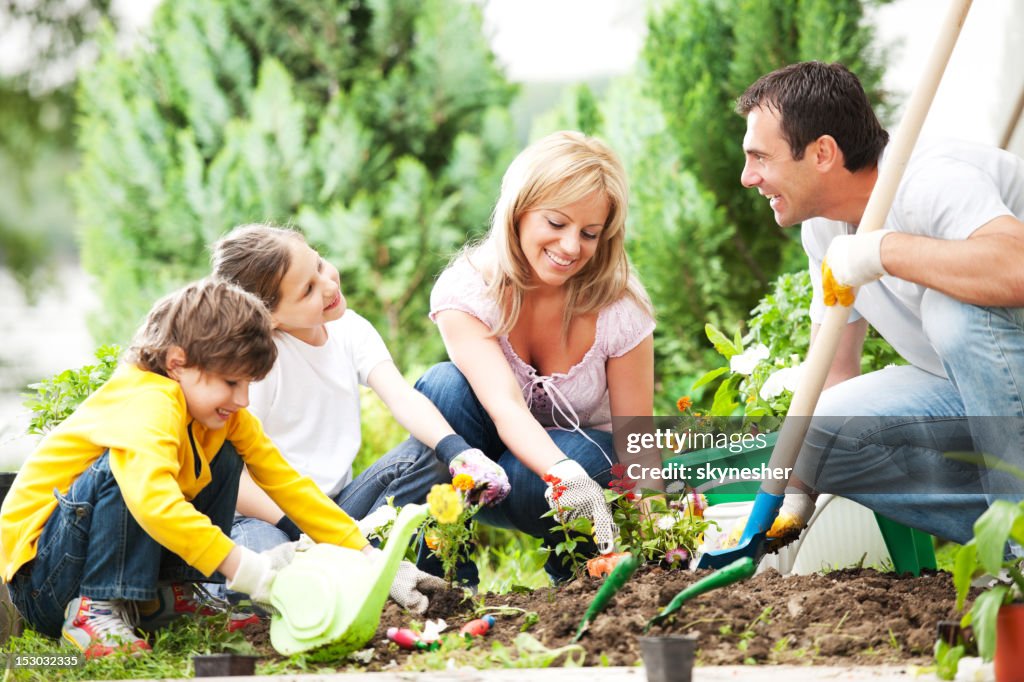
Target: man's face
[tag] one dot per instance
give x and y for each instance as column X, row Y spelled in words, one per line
column 790, row 185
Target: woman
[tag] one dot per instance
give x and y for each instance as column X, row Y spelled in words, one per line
column 550, row 336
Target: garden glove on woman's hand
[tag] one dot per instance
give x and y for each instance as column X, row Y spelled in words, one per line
column 795, row 512
column 410, row 587
column 572, row 493
column 852, row 260
column 490, row 482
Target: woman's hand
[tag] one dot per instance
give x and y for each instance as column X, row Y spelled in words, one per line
column 573, row 493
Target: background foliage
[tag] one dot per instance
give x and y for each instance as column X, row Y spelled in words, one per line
column 378, row 127
column 706, row 248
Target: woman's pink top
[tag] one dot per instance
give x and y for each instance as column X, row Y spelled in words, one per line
column 570, row 400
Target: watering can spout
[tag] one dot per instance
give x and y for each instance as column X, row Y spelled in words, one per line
column 332, row 597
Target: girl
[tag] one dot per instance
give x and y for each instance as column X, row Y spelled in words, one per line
column 309, row 402
column 549, row 335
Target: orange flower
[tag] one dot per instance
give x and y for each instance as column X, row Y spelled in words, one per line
column 684, row 403
column 463, row 482
column 432, row 539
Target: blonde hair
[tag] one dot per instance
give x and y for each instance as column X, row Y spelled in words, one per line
column 256, row 258
column 220, row 327
column 553, row 172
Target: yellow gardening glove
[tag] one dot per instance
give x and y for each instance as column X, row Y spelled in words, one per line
column 786, row 526
column 834, row 291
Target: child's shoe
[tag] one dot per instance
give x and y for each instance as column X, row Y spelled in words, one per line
column 100, row 627
column 180, row 599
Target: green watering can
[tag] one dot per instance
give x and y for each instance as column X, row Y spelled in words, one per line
column 334, row 596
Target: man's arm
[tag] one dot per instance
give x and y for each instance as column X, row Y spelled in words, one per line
column 846, row 364
column 983, row 269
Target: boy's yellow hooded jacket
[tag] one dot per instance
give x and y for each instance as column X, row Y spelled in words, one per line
column 160, row 458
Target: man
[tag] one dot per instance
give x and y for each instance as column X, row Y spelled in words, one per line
column 943, row 282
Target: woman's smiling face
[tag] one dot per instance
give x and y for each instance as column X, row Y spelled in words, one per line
column 558, row 242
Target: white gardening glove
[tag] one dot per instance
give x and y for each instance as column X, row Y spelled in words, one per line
column 795, row 512
column 490, row 480
column 410, row 584
column 852, row 260
column 255, row 575
column 573, row 493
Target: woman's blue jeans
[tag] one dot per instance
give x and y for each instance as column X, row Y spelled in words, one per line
column 523, row 509
column 92, row 545
column 891, row 439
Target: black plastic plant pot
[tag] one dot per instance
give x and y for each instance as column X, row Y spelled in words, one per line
column 669, row 658
column 224, row 665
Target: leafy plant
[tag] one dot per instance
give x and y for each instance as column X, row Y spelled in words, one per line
column 575, row 531
column 984, row 556
column 57, row 397
column 762, row 368
column 449, row 530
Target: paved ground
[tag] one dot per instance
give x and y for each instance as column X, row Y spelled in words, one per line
column 787, row 673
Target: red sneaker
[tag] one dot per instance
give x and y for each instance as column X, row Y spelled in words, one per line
column 180, row 599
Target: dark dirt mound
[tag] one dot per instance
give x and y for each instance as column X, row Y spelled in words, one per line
column 848, row 617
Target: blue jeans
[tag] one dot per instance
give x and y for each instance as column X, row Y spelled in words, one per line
column 449, row 390
column 92, row 545
column 893, row 457
column 406, row 473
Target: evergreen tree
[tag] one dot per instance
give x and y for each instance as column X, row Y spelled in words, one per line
column 377, row 127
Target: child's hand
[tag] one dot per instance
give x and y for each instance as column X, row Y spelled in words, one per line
column 410, row 587
column 490, row 482
column 255, row 576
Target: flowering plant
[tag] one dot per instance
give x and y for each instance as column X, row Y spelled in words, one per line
column 653, row 527
column 448, row 530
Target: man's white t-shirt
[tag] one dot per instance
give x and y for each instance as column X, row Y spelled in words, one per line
column 309, row 402
column 950, row 188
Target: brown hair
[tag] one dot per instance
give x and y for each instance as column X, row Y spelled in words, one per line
column 256, row 258
column 220, row 327
column 556, row 171
column 814, row 99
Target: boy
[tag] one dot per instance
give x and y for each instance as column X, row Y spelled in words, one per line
column 139, row 484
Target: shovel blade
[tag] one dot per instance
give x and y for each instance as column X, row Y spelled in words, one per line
column 752, row 541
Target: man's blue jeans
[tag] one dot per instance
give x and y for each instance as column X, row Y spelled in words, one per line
column 92, row 545
column 406, row 473
column 884, row 439
column 522, row 510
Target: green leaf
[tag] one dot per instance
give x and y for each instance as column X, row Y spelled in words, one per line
column 709, row 377
column 721, row 342
column 964, row 565
column 992, row 530
column 725, row 397
column 983, row 619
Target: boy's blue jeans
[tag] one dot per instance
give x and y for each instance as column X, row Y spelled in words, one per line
column 884, row 439
column 525, row 506
column 92, row 545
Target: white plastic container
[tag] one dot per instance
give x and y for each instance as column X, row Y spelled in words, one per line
column 841, row 533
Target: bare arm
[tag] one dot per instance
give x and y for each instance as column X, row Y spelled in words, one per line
column 846, row 364
column 478, row 356
column 631, row 394
column 983, row 269
column 410, row 408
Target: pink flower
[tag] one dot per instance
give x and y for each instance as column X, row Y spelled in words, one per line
column 677, row 555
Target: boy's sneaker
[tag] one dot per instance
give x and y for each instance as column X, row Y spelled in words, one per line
column 101, row 627
column 180, row 599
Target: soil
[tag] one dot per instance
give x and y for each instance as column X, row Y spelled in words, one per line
column 846, row 617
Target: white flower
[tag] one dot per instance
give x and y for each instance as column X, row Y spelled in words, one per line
column 378, row 517
column 785, row 379
column 666, row 522
column 745, row 362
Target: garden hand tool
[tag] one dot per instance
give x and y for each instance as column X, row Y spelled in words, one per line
column 738, row 570
column 619, row 576
column 791, row 437
column 333, row 596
